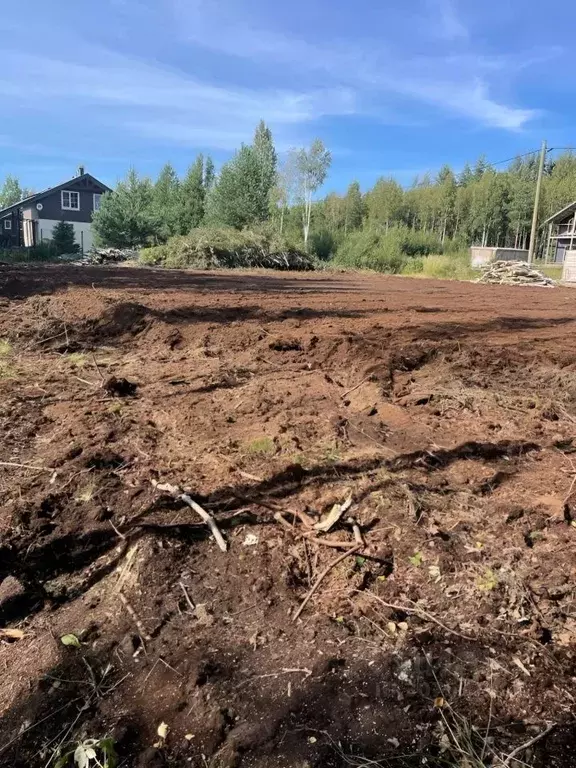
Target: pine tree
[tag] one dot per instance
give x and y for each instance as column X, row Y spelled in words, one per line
column 64, row 239
column 167, row 204
column 354, row 208
column 263, row 146
column 193, row 196
column 235, row 199
column 209, row 174
column 126, row 217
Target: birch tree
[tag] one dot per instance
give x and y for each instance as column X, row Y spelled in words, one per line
column 310, row 167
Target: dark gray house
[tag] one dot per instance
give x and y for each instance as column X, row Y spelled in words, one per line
column 561, row 234
column 30, row 221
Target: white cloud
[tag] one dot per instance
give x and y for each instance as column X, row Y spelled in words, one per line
column 459, row 85
column 160, row 102
column 450, row 26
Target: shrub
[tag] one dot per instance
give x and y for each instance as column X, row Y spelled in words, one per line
column 385, row 251
column 322, row 245
column 64, row 239
column 449, row 266
column 213, row 248
column 44, row 251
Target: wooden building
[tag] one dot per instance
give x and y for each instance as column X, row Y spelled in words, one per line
column 560, row 234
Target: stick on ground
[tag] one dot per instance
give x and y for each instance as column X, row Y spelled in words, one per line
column 322, row 576
column 527, row 744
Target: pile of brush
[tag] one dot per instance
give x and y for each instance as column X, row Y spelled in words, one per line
column 514, row 273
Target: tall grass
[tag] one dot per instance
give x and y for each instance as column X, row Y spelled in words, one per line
column 383, row 251
column 448, row 266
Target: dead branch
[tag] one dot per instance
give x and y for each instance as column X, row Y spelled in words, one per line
column 26, row 466
column 208, row 519
column 322, row 576
column 134, row 615
column 527, row 744
column 420, row 612
column 187, row 597
column 357, row 386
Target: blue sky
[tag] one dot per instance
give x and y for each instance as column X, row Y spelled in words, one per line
column 392, row 87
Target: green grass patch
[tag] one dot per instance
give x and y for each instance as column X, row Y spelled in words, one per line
column 448, row 266
column 77, row 359
column 261, row 446
column 5, row 348
column 550, row 270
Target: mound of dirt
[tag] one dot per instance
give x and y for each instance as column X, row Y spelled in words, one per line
column 390, row 464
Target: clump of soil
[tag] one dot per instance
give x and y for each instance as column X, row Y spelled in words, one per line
column 431, row 423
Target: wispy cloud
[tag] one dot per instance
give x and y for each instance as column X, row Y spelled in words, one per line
column 459, row 84
column 449, row 24
column 165, row 103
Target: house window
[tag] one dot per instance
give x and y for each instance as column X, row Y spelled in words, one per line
column 70, row 201
column 7, row 223
column 97, row 202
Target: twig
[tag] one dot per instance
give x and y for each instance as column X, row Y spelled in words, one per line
column 357, row 534
column 134, row 616
column 282, row 520
column 418, row 612
column 187, row 596
column 26, row 466
column 527, row 744
column 322, row 576
column 327, row 542
column 116, row 531
column 96, row 366
column 208, row 519
column 42, row 341
column 357, row 386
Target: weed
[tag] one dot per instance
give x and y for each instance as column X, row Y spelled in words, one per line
column 115, row 408
column 86, row 494
column 488, row 581
column 262, row 446
column 77, row 359
column 330, row 454
column 5, row 348
column 90, row 753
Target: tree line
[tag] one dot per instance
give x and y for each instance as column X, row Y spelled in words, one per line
column 481, row 204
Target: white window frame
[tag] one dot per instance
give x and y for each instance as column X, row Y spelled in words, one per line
column 94, row 196
column 70, row 207
column 7, row 224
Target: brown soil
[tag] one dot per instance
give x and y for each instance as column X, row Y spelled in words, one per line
column 447, row 411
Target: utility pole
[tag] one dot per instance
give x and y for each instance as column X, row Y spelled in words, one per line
column 534, row 230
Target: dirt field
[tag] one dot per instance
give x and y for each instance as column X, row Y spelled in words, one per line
column 445, row 411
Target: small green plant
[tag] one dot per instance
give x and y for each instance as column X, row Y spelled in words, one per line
column 5, row 348
column 488, row 581
column 77, row 359
column 90, row 753
column 262, row 446
column 416, row 559
column 87, row 493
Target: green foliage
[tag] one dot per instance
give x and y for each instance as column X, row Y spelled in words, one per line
column 209, row 248
column 90, row 753
column 354, row 208
column 11, row 192
column 385, row 251
column 448, row 266
column 64, row 239
column 44, row 251
column 308, row 169
column 127, row 217
column 166, row 204
column 323, row 244
column 242, row 193
column 193, row 194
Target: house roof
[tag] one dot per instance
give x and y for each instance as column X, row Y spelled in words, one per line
column 39, row 195
column 561, row 215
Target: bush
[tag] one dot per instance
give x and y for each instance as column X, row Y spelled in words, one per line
column 449, row 266
column 44, row 251
column 322, row 245
column 385, row 251
column 213, row 248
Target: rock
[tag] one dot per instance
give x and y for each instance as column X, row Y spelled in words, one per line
column 10, row 589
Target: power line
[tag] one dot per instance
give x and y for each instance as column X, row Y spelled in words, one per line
column 516, row 157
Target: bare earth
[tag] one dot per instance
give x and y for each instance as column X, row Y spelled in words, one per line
column 446, row 410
